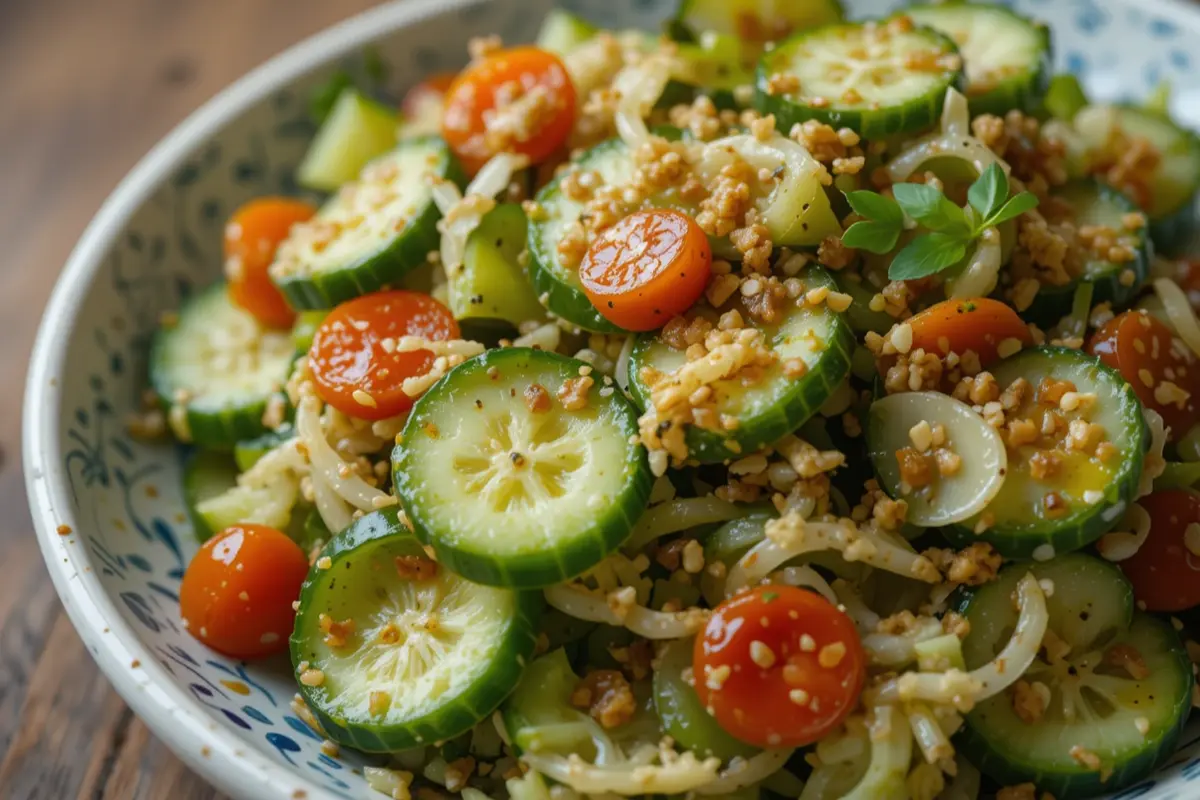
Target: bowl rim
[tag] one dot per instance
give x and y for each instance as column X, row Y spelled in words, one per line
column 177, row 719
column 205, row 745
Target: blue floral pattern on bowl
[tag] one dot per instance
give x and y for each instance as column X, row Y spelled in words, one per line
column 110, row 515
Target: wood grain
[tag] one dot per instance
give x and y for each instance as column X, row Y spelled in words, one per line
column 87, row 88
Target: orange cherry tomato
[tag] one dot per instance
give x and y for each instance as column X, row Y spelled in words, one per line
column 1163, row 372
column 646, row 269
column 528, row 85
column 779, row 666
column 251, row 237
column 1164, row 572
column 352, row 369
column 237, row 593
column 956, row 326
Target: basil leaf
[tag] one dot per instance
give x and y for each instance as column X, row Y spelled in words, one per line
column 875, row 237
column 1023, row 202
column 926, row 256
column 875, row 206
column 988, row 194
column 931, row 208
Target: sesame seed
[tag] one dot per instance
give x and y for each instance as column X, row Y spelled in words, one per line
column 1142, row 724
column 831, row 655
column 1146, row 378
column 312, row 677
column 761, row 654
column 798, row 696
column 364, row 399
column 807, row 644
column 324, row 562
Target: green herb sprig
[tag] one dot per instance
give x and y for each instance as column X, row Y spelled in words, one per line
column 952, row 230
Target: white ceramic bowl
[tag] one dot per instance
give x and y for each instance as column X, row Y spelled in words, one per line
column 118, row 567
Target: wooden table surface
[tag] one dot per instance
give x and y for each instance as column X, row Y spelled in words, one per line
column 86, row 87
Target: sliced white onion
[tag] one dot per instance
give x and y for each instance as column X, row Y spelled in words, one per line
column 952, row 140
column 495, row 176
column 891, row 752
column 898, row 649
column 805, row 577
column 638, row 87
column 932, row 740
column 790, row 536
column 446, row 196
column 746, row 772
column 326, row 463
column 1179, row 311
column 683, row 774
column 679, row 515
column 1124, row 544
column 643, row 621
column 982, row 273
column 546, row 337
column 962, row 689
column 1154, row 463
column 983, row 457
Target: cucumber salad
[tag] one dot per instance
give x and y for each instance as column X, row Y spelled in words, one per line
column 778, row 406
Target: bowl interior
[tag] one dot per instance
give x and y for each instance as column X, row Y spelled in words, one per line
column 119, row 566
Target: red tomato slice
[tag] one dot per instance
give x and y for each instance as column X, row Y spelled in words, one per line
column 251, row 238
column 1165, row 572
column 646, row 269
column 517, row 101
column 352, row 369
column 1163, row 372
column 956, row 326
column 237, row 594
column 779, row 666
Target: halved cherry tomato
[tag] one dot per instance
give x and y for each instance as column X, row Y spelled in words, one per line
column 646, row 269
column 979, row 325
column 251, row 237
column 351, row 368
column 779, row 666
column 517, row 101
column 237, row 593
column 1165, row 572
column 1164, row 373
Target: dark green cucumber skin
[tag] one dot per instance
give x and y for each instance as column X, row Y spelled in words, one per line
column 802, row 402
column 1024, row 92
column 680, row 29
column 212, row 430
column 1086, row 524
column 383, row 268
column 1052, row 303
column 908, row 117
column 1079, row 785
column 383, row 529
column 530, row 570
column 201, row 471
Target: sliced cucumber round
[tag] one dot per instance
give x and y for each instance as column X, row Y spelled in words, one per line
column 756, row 21
column 1090, row 494
column 776, row 405
column 683, row 716
column 206, row 474
column 539, row 714
column 877, row 78
column 216, row 368
column 946, row 499
column 1174, row 183
column 369, row 234
column 1008, row 57
column 508, row 486
column 247, row 452
column 1128, row 714
column 428, row 654
column 1095, row 203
